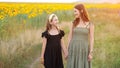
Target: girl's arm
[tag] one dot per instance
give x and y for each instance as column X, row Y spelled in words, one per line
column 43, row 47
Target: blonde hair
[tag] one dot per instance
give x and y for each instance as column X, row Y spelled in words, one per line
column 50, row 18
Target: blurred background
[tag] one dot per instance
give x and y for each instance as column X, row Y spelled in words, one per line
column 22, row 22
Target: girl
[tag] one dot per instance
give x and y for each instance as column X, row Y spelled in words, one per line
column 51, row 55
column 81, row 39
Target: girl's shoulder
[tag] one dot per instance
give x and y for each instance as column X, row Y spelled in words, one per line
column 62, row 33
column 61, row 30
column 44, row 33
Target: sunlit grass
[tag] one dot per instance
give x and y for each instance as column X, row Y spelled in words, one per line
column 21, row 25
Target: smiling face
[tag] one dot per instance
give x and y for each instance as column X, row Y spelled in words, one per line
column 80, row 13
column 76, row 13
column 54, row 20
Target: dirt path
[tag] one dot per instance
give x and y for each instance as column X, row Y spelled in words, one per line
column 36, row 62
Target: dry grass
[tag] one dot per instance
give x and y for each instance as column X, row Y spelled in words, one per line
column 26, row 40
column 17, row 46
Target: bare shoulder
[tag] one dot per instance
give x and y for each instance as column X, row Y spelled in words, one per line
column 71, row 25
column 91, row 25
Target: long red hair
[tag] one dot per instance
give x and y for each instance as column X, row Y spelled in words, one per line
column 83, row 14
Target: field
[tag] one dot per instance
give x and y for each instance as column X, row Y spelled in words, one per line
column 21, row 25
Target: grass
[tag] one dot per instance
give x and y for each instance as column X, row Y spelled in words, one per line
column 20, row 51
column 20, row 37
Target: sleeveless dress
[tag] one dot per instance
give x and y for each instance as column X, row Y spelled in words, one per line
column 78, row 49
column 53, row 53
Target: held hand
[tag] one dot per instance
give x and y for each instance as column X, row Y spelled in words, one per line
column 66, row 55
column 90, row 57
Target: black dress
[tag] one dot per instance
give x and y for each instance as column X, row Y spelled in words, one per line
column 53, row 53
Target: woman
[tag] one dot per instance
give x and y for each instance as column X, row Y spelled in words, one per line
column 53, row 43
column 81, row 39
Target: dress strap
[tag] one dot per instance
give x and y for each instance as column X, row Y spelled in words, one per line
column 88, row 24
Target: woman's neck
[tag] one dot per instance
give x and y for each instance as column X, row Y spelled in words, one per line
column 81, row 21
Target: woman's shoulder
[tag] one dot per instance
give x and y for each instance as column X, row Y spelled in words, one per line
column 89, row 23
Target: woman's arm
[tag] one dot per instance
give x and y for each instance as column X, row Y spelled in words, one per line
column 64, row 48
column 91, row 42
column 91, row 38
column 70, row 34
